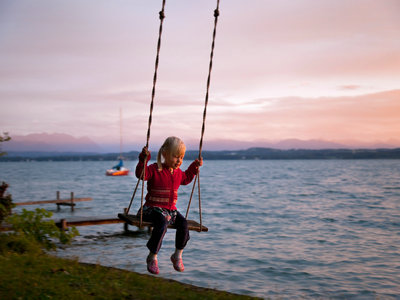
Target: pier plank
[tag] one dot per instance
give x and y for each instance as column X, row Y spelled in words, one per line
column 56, row 201
column 87, row 221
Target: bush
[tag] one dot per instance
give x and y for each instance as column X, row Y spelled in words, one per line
column 5, row 202
column 15, row 243
column 35, row 226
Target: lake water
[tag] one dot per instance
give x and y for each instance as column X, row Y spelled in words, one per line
column 284, row 229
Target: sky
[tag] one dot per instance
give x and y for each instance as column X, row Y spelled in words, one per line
column 303, row 69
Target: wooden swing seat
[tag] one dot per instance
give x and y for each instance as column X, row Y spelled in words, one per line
column 135, row 220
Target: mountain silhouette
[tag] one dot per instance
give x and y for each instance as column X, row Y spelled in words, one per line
column 50, row 142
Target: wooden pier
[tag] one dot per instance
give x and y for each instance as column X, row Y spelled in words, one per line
column 66, row 202
column 101, row 220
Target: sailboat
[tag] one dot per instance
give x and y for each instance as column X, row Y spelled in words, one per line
column 119, row 169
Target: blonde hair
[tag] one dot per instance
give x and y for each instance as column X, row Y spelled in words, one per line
column 172, row 146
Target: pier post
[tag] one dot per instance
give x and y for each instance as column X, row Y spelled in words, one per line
column 58, row 198
column 63, row 224
column 125, row 224
column 72, row 201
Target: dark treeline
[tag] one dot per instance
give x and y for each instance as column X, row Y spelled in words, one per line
column 252, row 153
column 67, row 156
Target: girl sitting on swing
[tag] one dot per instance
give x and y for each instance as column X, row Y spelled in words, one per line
column 163, row 180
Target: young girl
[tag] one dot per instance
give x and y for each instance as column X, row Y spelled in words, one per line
column 163, row 180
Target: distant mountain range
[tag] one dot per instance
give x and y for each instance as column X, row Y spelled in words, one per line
column 288, row 144
column 64, row 143
column 55, row 142
column 283, row 145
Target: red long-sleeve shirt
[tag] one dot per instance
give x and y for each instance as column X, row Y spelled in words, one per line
column 162, row 186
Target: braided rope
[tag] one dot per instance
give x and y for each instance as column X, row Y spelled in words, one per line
column 197, row 178
column 153, row 92
column 216, row 14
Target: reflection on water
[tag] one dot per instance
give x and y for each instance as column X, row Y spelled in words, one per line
column 286, row 229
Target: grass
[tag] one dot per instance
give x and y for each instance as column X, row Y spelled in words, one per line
column 42, row 276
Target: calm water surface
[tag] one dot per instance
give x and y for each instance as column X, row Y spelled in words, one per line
column 289, row 229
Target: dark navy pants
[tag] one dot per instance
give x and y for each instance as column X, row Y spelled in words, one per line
column 160, row 229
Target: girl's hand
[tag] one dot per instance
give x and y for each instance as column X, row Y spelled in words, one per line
column 199, row 161
column 145, row 151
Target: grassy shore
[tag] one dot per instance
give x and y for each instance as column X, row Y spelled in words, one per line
column 42, row 276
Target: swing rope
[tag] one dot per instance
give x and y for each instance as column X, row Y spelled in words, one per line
column 153, row 92
column 197, row 177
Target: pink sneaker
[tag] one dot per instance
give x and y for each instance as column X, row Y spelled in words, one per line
column 177, row 263
column 152, row 266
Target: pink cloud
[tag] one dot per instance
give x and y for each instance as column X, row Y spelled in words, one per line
column 366, row 117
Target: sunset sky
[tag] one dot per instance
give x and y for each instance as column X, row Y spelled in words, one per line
column 302, row 69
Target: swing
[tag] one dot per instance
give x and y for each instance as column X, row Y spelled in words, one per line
column 138, row 220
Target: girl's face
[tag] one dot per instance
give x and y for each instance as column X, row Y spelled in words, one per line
column 173, row 161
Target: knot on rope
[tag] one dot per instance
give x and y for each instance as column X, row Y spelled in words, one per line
column 216, row 13
column 162, row 15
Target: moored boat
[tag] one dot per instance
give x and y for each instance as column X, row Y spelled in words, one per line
column 118, row 170
column 113, row 172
